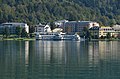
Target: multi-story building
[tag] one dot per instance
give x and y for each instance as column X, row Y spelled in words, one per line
column 42, row 28
column 12, row 27
column 78, row 26
column 70, row 26
column 103, row 31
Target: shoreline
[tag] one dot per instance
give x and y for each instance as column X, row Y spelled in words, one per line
column 105, row 40
column 17, row 39
column 33, row 39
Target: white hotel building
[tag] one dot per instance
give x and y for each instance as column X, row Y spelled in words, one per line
column 12, row 27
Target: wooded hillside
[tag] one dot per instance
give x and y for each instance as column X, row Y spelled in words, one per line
column 105, row 12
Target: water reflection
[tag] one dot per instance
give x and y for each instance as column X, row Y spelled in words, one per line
column 59, row 60
column 93, row 53
column 49, row 52
column 26, row 52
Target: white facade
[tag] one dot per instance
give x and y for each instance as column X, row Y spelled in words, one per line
column 42, row 28
column 114, row 31
column 57, row 30
column 103, row 31
column 12, row 27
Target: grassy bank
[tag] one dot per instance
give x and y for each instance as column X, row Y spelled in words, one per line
column 24, row 39
column 105, row 39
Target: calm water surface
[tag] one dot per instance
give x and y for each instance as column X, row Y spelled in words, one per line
column 59, row 60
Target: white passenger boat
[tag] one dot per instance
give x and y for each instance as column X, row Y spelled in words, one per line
column 57, row 36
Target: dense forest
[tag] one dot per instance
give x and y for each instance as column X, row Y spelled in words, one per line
column 106, row 12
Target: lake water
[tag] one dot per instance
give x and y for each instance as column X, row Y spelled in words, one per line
column 59, row 60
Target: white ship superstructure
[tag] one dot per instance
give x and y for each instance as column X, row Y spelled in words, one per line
column 57, row 36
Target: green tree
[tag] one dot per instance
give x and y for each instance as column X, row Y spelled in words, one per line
column 112, row 22
column 52, row 25
column 86, row 33
column 31, row 31
column 3, row 32
column 108, row 36
column 6, row 32
column 24, row 33
column 18, row 31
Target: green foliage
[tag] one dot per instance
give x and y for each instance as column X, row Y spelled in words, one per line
column 18, row 31
column 108, row 36
column 24, row 33
column 6, row 32
column 86, row 33
column 106, row 12
column 31, row 31
column 52, row 25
